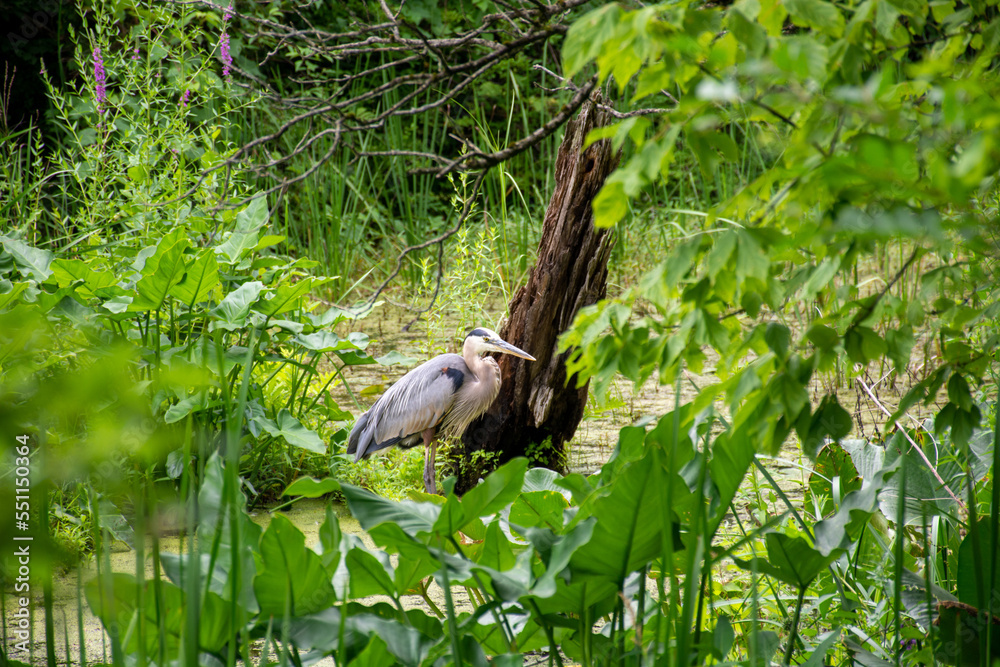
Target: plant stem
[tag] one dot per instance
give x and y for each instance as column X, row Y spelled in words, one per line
column 795, row 627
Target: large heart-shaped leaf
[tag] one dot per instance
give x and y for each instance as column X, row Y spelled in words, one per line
column 200, row 278
column 293, row 432
column 370, row 510
column 790, row 559
column 31, row 262
column 370, row 574
column 628, row 532
column 162, row 272
column 310, row 487
column 292, row 578
column 243, row 239
column 232, row 311
column 489, row 496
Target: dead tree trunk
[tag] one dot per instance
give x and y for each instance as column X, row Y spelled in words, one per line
column 538, row 411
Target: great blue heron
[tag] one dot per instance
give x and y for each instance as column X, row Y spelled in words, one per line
column 442, row 395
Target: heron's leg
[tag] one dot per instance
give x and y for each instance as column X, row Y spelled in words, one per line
column 430, row 450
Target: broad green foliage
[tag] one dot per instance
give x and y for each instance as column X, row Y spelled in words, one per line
column 158, row 324
column 533, row 585
column 880, row 117
column 872, row 226
column 616, row 548
column 164, row 285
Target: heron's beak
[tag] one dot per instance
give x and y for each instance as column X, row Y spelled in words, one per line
column 506, row 348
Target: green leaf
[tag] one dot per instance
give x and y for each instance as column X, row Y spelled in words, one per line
column 539, row 508
column 899, row 343
column 488, row 497
column 200, row 279
column 961, row 636
column 496, row 491
column 722, row 638
column 286, row 297
column 610, row 205
column 804, row 57
column 376, row 654
column 115, row 597
column 816, row 14
column 959, row 394
column 830, row 419
column 833, row 477
column 310, row 487
column 69, row 271
column 370, row 510
column 369, row 576
column 791, row 560
column 232, row 312
column 244, row 238
column 778, row 337
column 31, row 262
column 846, row 526
column 749, row 33
column 916, row 8
column 823, row 337
column 718, row 257
column 629, row 524
column 752, row 261
column 820, row 278
column 973, row 573
column 162, row 272
column 497, row 552
column 291, row 574
column 294, row 433
column 327, row 341
column 818, row 656
column 10, row 294
column 864, row 345
column 184, row 407
column 405, row 644
column 586, row 37
column 652, row 80
column 395, row 357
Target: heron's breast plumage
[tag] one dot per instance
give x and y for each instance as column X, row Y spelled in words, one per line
column 473, row 398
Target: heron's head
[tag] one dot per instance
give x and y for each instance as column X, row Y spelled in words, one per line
column 482, row 340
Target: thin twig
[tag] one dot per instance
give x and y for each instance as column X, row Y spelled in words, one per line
column 620, row 115
column 426, row 244
column 913, row 444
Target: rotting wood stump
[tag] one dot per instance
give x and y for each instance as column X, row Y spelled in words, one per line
column 538, row 411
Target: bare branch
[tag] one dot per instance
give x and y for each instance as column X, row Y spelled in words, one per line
column 611, row 110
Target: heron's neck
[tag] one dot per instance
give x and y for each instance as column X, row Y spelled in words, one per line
column 485, row 370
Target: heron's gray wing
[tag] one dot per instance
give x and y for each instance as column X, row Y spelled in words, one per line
column 417, row 402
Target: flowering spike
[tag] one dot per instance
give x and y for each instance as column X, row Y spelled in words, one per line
column 227, row 58
column 100, row 77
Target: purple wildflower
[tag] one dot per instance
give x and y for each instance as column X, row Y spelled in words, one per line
column 185, row 97
column 227, row 58
column 135, row 53
column 100, row 76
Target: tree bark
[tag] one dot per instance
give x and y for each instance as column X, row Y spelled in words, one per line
column 538, row 411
